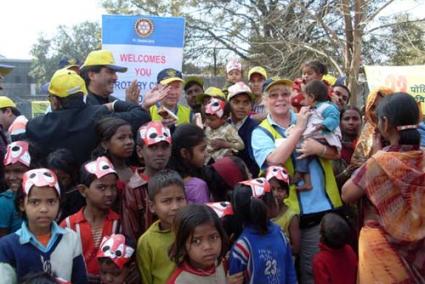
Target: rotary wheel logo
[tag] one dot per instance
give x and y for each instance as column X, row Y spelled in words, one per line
column 144, row 27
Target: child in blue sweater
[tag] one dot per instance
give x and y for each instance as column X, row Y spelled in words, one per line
column 262, row 251
column 41, row 245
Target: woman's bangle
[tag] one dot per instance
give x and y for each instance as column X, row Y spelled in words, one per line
column 323, row 151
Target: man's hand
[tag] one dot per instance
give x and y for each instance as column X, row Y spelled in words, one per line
column 154, row 95
column 132, row 93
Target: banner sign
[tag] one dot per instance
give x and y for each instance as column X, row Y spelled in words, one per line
column 145, row 45
column 409, row 79
column 39, row 108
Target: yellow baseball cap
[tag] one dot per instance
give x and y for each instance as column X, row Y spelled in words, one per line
column 66, row 82
column 276, row 81
column 6, row 102
column 212, row 92
column 330, row 79
column 259, row 70
column 102, row 57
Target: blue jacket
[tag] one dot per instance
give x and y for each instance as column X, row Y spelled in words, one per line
column 264, row 258
column 62, row 257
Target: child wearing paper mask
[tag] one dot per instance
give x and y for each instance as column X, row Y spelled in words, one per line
column 222, row 137
column 115, row 257
column 95, row 220
column 41, row 245
column 16, row 162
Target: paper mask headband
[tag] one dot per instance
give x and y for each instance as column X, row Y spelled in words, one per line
column 215, row 107
column 222, row 209
column 17, row 152
column 114, row 247
column 259, row 186
column 277, row 172
column 100, row 167
column 40, row 177
column 154, row 132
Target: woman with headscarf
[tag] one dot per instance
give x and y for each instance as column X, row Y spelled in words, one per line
column 392, row 183
column 363, row 150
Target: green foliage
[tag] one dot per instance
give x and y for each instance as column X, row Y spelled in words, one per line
column 68, row 42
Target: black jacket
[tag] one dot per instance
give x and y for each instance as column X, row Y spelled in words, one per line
column 93, row 99
column 73, row 128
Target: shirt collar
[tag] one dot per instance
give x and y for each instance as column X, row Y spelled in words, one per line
column 238, row 124
column 293, row 119
column 25, row 235
column 80, row 218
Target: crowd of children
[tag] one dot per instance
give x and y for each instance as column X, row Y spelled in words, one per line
column 237, row 187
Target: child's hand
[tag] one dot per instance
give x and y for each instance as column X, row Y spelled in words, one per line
column 302, row 117
column 219, row 144
column 235, row 278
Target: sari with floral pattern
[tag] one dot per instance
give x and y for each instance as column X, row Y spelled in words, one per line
column 392, row 245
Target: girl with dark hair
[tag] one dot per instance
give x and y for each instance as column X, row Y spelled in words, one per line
column 311, row 70
column 223, row 175
column 115, row 141
column 351, row 122
column 188, row 156
column 200, row 246
column 392, row 184
column 63, row 164
column 262, row 251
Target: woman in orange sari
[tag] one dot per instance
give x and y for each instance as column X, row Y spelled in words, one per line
column 392, row 239
column 363, row 149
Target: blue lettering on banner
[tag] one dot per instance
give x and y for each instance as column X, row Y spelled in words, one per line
column 167, row 31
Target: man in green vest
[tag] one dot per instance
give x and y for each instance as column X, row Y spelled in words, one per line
column 170, row 111
column 271, row 146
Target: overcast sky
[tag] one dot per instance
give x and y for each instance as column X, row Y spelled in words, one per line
column 22, row 21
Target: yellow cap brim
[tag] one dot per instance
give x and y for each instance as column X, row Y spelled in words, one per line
column 284, row 82
column 170, row 80
column 116, row 68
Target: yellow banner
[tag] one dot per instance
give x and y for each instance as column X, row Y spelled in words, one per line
column 39, row 107
column 408, row 79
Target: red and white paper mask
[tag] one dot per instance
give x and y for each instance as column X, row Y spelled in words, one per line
column 277, row 172
column 100, row 167
column 40, row 177
column 17, row 152
column 259, row 186
column 114, row 247
column 154, row 132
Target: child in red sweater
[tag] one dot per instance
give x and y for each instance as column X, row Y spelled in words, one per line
column 336, row 261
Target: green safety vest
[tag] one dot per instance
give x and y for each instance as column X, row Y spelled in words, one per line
column 331, row 188
column 183, row 114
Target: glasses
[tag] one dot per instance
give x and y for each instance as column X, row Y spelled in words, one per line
column 277, row 95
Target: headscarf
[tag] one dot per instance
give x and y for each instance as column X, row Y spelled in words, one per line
column 363, row 149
